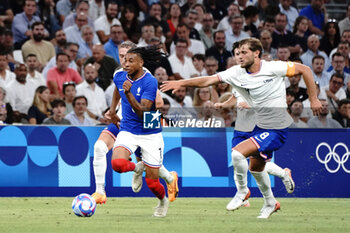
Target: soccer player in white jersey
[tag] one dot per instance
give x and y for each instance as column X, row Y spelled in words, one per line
column 262, row 83
column 106, row 141
column 245, row 123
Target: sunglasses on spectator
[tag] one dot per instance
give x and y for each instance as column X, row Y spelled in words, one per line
column 69, row 83
column 337, row 83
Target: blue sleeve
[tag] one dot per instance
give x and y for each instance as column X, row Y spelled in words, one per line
column 150, row 92
column 117, row 76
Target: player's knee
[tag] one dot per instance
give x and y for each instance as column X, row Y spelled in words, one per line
column 100, row 148
column 120, row 165
column 237, row 156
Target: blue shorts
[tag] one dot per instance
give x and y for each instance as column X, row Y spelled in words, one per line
column 113, row 130
column 268, row 140
column 239, row 136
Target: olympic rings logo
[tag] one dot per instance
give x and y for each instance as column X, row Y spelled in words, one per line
column 332, row 154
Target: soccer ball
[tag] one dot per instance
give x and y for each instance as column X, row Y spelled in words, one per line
column 84, row 205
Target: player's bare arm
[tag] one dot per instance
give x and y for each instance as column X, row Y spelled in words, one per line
column 230, row 103
column 305, row 71
column 204, row 81
column 111, row 112
column 138, row 107
column 159, row 100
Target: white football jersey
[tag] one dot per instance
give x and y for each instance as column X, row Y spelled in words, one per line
column 266, row 90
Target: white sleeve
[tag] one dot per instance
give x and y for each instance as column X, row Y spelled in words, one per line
column 228, row 75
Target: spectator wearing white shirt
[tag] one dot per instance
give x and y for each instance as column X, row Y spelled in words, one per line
column 96, row 9
column 235, row 33
column 344, row 24
column 6, row 76
column 338, row 66
column 318, row 72
column 290, row 11
column 85, row 48
column 224, row 24
column 81, row 7
column 33, row 75
column 181, row 64
column 104, row 22
column 20, row 93
column 73, row 33
column 194, row 46
column 78, row 116
column 94, row 94
column 313, row 43
column 334, row 91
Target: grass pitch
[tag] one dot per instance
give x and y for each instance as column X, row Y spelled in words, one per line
column 185, row 215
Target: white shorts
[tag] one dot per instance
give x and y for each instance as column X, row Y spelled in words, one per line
column 152, row 146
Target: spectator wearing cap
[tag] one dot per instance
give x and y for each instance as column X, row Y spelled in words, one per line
column 58, row 110
column 104, row 22
column 60, row 74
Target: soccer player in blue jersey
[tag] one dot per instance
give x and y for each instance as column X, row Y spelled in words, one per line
column 137, row 90
column 106, row 141
column 262, row 83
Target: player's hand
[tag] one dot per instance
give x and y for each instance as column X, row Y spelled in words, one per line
column 243, row 105
column 108, row 115
column 170, row 85
column 219, row 106
column 127, row 86
column 316, row 106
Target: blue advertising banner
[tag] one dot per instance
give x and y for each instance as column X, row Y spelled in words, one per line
column 57, row 161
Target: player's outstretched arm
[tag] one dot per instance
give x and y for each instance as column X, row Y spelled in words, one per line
column 306, row 72
column 230, row 103
column 203, row 81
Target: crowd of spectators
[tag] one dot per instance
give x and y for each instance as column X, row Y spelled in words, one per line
column 57, row 57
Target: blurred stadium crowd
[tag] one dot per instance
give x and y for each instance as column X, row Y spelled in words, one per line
column 57, row 57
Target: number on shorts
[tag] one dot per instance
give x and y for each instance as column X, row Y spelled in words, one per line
column 264, row 135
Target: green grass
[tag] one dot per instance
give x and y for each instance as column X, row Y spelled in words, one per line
column 300, row 215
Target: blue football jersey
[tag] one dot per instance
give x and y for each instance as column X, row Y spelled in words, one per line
column 144, row 87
